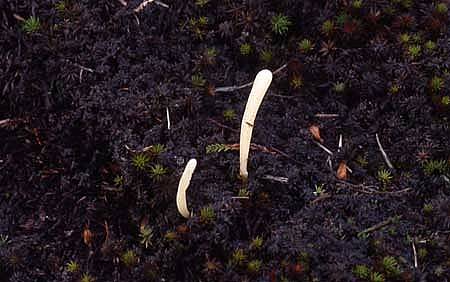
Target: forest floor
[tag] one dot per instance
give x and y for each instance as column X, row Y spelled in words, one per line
column 89, row 169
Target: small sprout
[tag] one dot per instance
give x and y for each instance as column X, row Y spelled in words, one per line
column 441, row 8
column 146, row 235
column 280, row 24
column 217, row 148
column 416, row 38
column 435, row 167
column 229, row 115
column 339, row 87
column 422, row 253
column 319, row 190
column 198, row 81
column 436, row 84
column 361, row 271
column 257, row 243
column 171, row 236
column 211, row 266
column 129, row 258
column 31, row 25
column 202, row 21
column 266, row 56
column 427, row 209
column 439, row 271
column 259, row 89
column 238, row 257
column 376, row 277
column 4, row 240
column 140, row 161
column 296, row 82
column 445, row 100
column 414, row 51
column 119, row 180
column 201, row 3
column 243, row 192
column 254, row 266
column 328, row 27
column 157, row 172
column 362, row 160
column 405, row 38
column 384, row 176
column 61, row 6
column 390, row 266
column 305, row 45
column 394, row 89
column 209, row 56
column 183, row 186
column 342, row 18
column 197, row 26
column 86, row 277
column 72, row 267
column 157, row 149
column 245, row 49
column 207, row 214
column 357, row 4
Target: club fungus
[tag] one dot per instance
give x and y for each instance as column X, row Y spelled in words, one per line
column 183, row 186
column 259, row 89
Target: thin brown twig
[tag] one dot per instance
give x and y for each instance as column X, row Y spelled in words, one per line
column 238, row 87
column 371, row 189
column 386, row 158
column 146, row 2
column 222, row 125
column 379, row 225
column 319, row 115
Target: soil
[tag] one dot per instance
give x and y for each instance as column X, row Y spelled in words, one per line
column 83, row 106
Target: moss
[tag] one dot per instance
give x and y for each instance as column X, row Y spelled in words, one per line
column 280, row 24
column 31, row 25
column 129, row 258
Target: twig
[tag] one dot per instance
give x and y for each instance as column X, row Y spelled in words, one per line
column 168, row 118
column 276, row 178
column 83, row 68
column 234, row 88
column 222, row 125
column 340, row 143
column 123, row 2
column 379, row 225
column 19, row 18
column 322, row 197
column 371, row 189
column 326, row 115
column 146, row 2
column 446, row 179
column 10, row 122
column 386, row 159
column 324, row 148
column 415, row 255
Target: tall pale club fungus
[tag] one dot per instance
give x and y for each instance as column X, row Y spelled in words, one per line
column 183, row 186
column 259, row 89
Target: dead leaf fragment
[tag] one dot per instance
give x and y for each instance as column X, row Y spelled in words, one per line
column 342, row 171
column 315, row 132
column 87, row 236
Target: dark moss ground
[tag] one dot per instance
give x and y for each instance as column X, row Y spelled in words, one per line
column 84, row 88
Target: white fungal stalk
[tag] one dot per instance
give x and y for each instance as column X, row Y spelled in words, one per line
column 183, row 186
column 259, row 89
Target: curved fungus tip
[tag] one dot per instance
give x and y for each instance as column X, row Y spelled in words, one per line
column 259, row 90
column 183, row 186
